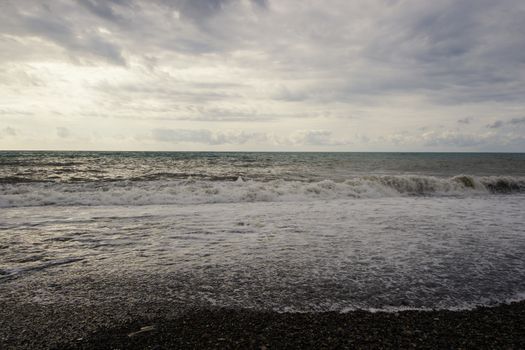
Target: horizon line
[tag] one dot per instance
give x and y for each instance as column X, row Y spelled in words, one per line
column 214, row 151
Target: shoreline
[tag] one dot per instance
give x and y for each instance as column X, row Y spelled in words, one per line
column 501, row 326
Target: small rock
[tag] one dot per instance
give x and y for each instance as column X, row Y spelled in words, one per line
column 142, row 330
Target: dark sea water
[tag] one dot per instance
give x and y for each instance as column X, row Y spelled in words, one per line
column 281, row 231
column 136, row 166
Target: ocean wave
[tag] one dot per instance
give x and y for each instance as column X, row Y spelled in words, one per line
column 192, row 191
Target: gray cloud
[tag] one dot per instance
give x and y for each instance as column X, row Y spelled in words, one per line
column 233, row 137
column 49, row 23
column 517, row 121
column 454, row 140
column 205, row 136
column 449, row 51
column 200, row 11
column 317, row 138
column 8, row 131
column 463, row 140
column 512, row 122
column 497, row 124
column 15, row 112
column 104, row 8
column 63, row 132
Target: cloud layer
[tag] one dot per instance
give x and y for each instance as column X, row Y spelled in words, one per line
column 263, row 75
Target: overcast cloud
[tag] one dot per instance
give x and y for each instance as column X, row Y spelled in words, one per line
column 376, row 75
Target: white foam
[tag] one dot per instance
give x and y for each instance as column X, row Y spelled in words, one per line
column 386, row 254
column 199, row 191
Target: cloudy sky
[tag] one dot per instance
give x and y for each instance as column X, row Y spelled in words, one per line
column 374, row 75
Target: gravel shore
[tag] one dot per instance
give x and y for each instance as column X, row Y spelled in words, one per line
column 500, row 327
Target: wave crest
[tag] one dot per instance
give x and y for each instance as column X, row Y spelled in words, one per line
column 193, row 191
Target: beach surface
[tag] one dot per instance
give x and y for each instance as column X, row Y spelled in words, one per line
column 499, row 327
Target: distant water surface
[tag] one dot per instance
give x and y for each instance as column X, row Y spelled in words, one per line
column 135, row 166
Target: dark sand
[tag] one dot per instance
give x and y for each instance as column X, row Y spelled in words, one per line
column 500, row 327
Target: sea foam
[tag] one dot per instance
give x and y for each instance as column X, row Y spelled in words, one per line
column 190, row 191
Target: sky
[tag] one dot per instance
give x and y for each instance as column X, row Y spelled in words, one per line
column 263, row 75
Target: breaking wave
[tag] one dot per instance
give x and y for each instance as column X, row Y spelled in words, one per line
column 192, row 191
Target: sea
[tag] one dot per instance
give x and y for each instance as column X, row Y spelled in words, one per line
column 295, row 232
